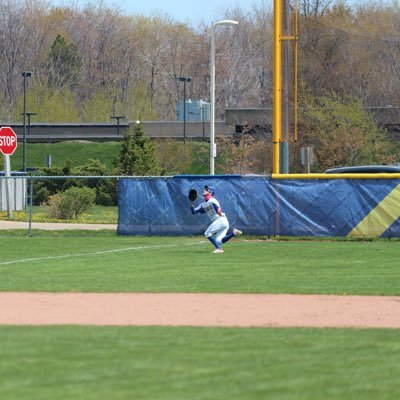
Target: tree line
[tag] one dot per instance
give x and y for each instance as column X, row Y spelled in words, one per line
column 93, row 62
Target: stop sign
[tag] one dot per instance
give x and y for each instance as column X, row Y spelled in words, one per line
column 8, row 140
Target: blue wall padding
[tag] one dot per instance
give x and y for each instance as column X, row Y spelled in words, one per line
column 255, row 205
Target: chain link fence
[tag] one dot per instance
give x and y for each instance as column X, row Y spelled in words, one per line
column 58, row 202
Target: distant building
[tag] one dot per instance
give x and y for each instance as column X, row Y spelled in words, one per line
column 196, row 110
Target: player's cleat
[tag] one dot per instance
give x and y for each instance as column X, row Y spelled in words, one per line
column 218, row 251
column 237, row 232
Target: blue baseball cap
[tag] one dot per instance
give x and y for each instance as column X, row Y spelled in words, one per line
column 210, row 190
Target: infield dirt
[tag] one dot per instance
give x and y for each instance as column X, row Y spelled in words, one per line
column 188, row 309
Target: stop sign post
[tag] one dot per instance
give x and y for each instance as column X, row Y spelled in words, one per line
column 8, row 144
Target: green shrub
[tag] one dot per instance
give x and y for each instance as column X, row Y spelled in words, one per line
column 71, row 203
column 40, row 194
column 174, row 156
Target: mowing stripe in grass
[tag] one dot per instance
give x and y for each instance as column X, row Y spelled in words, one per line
column 102, row 363
column 98, row 252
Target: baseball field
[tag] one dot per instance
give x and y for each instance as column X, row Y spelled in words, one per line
column 268, row 319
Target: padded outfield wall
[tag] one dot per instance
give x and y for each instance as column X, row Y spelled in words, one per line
column 263, row 206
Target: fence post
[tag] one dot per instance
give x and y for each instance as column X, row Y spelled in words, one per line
column 30, row 205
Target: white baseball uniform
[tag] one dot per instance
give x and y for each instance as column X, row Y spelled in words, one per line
column 220, row 225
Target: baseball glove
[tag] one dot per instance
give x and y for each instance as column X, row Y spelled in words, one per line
column 192, row 194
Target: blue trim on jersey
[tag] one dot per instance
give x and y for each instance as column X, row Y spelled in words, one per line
column 209, row 207
column 216, row 208
column 196, row 211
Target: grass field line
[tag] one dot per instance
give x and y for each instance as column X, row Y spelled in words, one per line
column 160, row 246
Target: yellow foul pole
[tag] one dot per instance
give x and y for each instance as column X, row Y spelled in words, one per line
column 277, row 90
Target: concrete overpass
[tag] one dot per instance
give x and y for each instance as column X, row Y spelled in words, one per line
column 235, row 120
column 104, row 132
column 385, row 117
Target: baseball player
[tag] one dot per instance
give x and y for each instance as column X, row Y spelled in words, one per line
column 216, row 233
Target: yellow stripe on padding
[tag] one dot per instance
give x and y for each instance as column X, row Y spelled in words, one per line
column 381, row 217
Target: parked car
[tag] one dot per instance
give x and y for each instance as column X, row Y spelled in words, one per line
column 365, row 169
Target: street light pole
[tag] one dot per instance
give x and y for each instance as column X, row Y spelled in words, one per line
column 213, row 146
column 28, row 114
column 25, row 74
column 184, row 79
column 117, row 117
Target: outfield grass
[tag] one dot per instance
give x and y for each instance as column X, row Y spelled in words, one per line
column 108, row 263
column 77, row 362
column 203, row 363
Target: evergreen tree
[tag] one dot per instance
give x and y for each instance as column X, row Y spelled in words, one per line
column 138, row 155
column 64, row 63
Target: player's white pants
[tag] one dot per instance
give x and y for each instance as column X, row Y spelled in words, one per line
column 219, row 228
